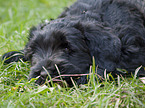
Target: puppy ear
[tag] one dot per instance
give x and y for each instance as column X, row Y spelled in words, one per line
column 102, row 44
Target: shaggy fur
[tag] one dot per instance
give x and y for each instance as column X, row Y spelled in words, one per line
column 111, row 31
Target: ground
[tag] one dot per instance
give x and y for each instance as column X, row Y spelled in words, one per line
column 16, row 18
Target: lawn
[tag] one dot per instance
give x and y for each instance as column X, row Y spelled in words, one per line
column 16, row 18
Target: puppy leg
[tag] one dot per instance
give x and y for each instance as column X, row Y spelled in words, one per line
column 13, row 56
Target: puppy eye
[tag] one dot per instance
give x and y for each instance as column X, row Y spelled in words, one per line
column 66, row 49
column 33, row 63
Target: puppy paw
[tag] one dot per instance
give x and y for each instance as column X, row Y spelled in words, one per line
column 13, row 56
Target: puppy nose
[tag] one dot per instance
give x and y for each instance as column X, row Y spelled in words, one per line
column 44, row 74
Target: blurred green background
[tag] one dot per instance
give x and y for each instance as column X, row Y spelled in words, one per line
column 18, row 16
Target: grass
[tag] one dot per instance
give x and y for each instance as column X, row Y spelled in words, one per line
column 16, row 17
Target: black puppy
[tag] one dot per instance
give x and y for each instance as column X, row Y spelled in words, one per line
column 111, row 31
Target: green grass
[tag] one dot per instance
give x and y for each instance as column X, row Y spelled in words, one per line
column 16, row 17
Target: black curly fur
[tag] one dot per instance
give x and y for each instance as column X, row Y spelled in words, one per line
column 113, row 31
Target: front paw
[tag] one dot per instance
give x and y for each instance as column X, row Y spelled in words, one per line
column 13, row 56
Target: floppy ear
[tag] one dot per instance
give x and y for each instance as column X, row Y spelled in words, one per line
column 133, row 51
column 102, row 44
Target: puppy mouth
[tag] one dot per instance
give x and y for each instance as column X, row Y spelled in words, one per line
column 41, row 78
column 44, row 74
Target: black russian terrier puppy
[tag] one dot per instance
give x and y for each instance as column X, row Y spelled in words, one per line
column 111, row 31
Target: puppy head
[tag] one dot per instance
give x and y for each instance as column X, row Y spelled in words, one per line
column 62, row 47
column 70, row 48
